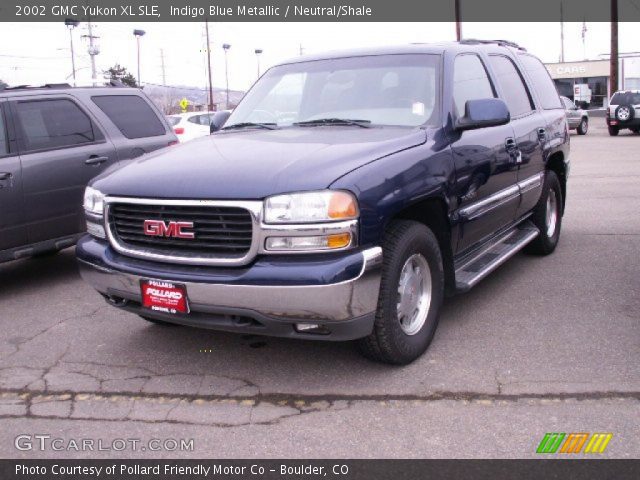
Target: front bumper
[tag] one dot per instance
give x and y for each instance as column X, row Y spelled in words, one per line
column 338, row 292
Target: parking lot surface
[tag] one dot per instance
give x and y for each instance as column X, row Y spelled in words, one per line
column 545, row 344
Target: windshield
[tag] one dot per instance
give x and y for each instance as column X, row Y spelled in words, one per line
column 625, row 98
column 397, row 90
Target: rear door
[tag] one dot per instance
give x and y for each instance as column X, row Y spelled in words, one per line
column 573, row 114
column 13, row 232
column 61, row 148
column 529, row 129
column 486, row 173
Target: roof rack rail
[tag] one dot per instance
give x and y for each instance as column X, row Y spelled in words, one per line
column 502, row 43
column 47, row 85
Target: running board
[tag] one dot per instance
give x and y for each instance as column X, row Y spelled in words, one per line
column 474, row 268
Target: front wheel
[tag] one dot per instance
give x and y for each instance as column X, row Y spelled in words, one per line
column 583, row 127
column 613, row 131
column 411, row 294
column 547, row 216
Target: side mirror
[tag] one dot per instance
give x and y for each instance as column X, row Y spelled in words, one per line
column 486, row 112
column 218, row 121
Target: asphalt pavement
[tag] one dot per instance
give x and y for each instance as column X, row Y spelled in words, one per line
column 545, row 344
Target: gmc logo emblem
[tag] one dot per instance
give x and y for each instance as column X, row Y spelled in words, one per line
column 159, row 228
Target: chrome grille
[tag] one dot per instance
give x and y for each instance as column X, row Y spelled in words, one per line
column 219, row 231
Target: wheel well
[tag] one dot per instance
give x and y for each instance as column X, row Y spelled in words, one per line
column 433, row 214
column 556, row 164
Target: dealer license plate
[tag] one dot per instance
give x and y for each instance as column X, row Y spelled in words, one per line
column 166, row 297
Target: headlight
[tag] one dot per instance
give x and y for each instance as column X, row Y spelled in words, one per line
column 93, row 201
column 309, row 207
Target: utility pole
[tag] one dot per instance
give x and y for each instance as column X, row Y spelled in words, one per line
column 226, row 47
column 458, row 21
column 164, row 72
column 206, row 27
column 613, row 62
column 71, row 24
column 93, row 51
column 561, row 31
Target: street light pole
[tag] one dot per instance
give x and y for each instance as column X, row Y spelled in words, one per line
column 258, row 53
column 226, row 47
column 138, row 34
column 206, row 26
column 71, row 24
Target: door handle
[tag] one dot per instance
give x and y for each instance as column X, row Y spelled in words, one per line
column 542, row 134
column 513, row 150
column 95, row 160
column 6, row 179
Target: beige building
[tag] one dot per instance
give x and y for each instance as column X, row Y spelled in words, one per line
column 570, row 76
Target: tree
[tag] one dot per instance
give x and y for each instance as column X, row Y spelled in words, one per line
column 3, row 84
column 118, row 72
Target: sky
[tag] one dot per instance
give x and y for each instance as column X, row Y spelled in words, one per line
column 37, row 53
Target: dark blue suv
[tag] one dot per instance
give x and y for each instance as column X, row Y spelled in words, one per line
column 344, row 197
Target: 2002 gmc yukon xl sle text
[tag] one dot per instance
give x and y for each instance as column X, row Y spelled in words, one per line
column 343, row 198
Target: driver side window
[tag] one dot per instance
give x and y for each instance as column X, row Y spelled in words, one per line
column 470, row 82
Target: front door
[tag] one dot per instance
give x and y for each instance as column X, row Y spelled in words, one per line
column 486, row 171
column 61, row 149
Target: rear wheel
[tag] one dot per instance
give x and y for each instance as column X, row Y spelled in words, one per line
column 411, row 294
column 613, row 131
column 583, row 127
column 547, row 216
column 636, row 130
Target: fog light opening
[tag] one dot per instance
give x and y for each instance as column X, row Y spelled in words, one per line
column 312, row 328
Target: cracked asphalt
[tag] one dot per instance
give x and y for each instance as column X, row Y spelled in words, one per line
column 543, row 345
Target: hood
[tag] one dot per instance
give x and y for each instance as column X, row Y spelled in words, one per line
column 253, row 164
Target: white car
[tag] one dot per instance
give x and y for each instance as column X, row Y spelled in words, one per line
column 188, row 126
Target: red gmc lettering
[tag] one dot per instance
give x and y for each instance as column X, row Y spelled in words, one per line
column 159, row 228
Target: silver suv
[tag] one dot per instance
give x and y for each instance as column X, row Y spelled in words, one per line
column 624, row 112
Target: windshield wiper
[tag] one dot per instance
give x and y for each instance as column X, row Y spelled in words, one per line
column 336, row 121
column 268, row 126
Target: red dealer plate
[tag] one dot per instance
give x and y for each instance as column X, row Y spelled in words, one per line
column 165, row 297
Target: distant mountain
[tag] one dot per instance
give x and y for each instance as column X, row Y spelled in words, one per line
column 168, row 97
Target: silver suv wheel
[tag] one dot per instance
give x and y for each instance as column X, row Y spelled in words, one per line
column 624, row 113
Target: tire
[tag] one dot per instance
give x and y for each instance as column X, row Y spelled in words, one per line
column 409, row 248
column 549, row 225
column 636, row 130
column 583, row 128
column 613, row 131
column 158, row 322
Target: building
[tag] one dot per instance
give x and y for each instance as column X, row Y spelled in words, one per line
column 587, row 82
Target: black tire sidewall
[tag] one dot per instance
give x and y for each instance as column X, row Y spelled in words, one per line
column 583, row 131
column 417, row 238
column 544, row 244
column 613, row 131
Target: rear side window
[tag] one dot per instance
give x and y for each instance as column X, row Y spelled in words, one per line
column 513, row 88
column 542, row 83
column 4, row 146
column 173, row 121
column 131, row 114
column 49, row 124
column 470, row 81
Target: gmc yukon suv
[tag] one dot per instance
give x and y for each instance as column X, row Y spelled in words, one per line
column 343, row 198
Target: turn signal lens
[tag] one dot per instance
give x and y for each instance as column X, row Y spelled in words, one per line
column 300, row 244
column 338, row 240
column 342, row 205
